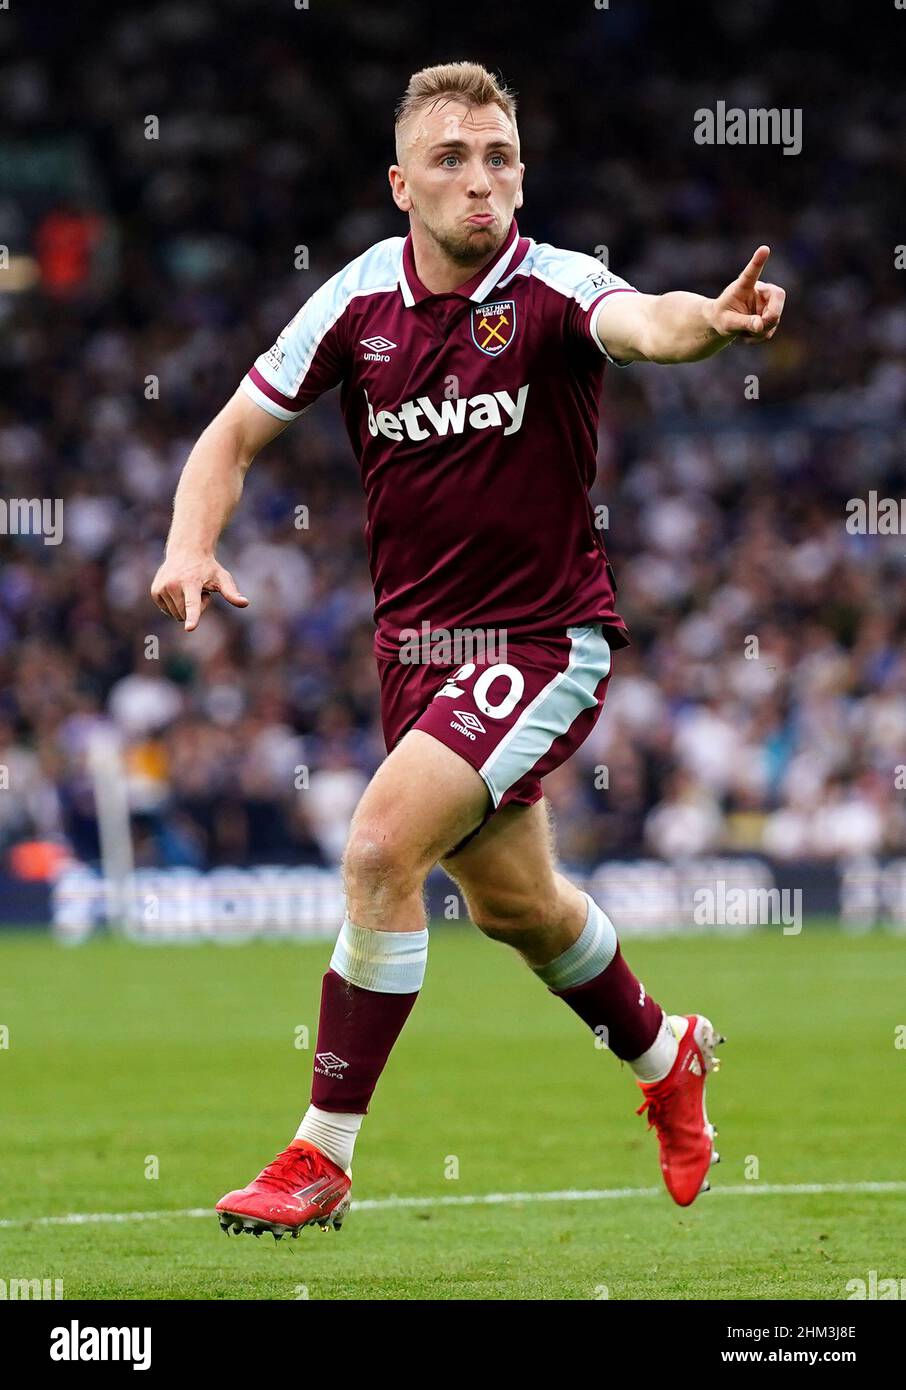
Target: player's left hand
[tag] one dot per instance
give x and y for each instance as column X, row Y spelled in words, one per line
column 749, row 308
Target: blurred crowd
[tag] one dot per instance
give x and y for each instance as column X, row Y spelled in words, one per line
column 762, row 703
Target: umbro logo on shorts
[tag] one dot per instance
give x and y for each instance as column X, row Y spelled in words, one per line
column 467, row 723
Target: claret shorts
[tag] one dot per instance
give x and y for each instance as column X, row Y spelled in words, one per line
column 513, row 720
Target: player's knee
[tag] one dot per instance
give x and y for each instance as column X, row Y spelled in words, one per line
column 377, row 862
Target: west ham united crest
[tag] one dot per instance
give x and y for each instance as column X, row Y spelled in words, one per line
column 494, row 326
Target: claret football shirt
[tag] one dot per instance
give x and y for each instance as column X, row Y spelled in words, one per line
column 474, row 417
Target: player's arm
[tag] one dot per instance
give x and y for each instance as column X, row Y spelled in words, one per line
column 207, row 495
column 684, row 327
column 307, row 359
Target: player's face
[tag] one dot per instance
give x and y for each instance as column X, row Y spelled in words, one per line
column 460, row 176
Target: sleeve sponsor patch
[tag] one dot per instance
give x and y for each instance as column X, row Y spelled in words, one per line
column 274, row 357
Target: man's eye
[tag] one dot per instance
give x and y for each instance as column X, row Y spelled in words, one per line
column 498, row 161
column 447, row 160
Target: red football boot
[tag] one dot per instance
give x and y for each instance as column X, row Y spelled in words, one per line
column 676, row 1109
column 301, row 1187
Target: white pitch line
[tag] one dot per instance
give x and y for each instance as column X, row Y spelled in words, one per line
column 489, row 1199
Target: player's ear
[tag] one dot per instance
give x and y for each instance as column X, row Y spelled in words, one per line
column 519, row 192
column 398, row 188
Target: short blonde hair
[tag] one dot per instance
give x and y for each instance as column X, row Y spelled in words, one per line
column 468, row 82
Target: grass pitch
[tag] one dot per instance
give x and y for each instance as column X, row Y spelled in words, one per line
column 126, row 1061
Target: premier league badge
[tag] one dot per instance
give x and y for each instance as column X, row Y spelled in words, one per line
column 493, row 326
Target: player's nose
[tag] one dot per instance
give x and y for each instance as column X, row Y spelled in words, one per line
column 478, row 182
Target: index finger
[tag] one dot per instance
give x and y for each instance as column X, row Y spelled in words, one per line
column 755, row 266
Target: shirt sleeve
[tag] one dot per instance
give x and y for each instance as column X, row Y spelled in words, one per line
column 595, row 286
column 308, row 358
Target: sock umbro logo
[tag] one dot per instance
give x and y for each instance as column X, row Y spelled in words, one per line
column 329, row 1064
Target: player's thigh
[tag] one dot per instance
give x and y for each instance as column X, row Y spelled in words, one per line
column 508, row 871
column 422, row 801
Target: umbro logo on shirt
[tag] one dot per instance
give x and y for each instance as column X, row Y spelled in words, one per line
column 421, row 418
column 379, row 349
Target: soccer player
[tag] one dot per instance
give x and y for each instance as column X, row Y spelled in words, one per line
column 470, row 361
